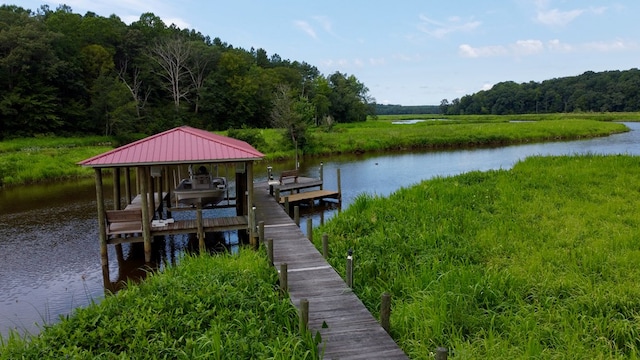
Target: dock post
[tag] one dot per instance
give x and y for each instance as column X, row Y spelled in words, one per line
column 339, row 188
column 270, row 250
column 127, row 184
column 277, row 195
column 286, row 205
column 143, row 175
column 349, row 274
column 441, row 353
column 284, row 277
column 260, row 232
column 102, row 230
column 321, row 175
column 200, row 227
column 325, row 245
column 385, row 312
column 304, row 315
column 310, row 229
column 296, row 215
column 252, row 228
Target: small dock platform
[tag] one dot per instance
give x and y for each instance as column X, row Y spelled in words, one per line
column 310, row 196
column 347, row 328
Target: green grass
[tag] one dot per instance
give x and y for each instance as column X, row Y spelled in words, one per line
column 536, row 262
column 47, row 158
column 222, row 307
column 31, row 160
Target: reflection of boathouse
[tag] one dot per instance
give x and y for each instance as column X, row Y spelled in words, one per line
column 158, row 161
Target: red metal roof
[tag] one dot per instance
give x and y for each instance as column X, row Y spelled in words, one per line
column 177, row 146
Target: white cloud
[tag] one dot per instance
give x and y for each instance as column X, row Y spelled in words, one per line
column 616, row 45
column 527, row 47
column 467, row 50
column 306, row 28
column 557, row 45
column 441, row 29
column 555, row 17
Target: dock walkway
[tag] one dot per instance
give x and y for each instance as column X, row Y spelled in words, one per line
column 347, row 328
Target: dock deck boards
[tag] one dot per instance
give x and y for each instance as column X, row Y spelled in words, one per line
column 310, row 196
column 351, row 332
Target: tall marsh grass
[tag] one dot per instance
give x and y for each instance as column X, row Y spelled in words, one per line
column 222, row 307
column 540, row 261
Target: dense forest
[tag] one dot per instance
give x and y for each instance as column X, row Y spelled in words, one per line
column 609, row 91
column 64, row 73
column 393, row 109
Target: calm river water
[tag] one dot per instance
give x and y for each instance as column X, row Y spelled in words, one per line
column 49, row 253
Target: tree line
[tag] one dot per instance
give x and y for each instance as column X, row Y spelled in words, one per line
column 608, row 91
column 64, row 73
column 393, row 109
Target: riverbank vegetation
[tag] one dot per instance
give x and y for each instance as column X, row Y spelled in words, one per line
column 209, row 307
column 539, row 261
column 50, row 158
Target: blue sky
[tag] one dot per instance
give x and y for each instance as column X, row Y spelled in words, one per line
column 412, row 52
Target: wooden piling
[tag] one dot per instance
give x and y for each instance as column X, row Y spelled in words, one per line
column 296, row 215
column 286, row 205
column 304, row 315
column 310, row 229
column 102, row 229
column 284, row 277
column 349, row 274
column 270, row 250
column 441, row 353
column 143, row 174
column 200, row 226
column 325, row 245
column 260, row 233
column 385, row 312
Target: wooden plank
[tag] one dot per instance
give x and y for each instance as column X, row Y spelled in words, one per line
column 310, row 195
column 352, row 333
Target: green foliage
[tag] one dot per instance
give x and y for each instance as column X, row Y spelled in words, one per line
column 536, row 262
column 222, row 307
column 607, row 91
column 47, row 158
column 254, row 137
column 65, row 73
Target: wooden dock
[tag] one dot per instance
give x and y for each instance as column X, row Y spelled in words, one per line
column 347, row 328
column 309, row 196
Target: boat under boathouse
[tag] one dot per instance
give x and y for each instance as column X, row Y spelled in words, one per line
column 159, row 162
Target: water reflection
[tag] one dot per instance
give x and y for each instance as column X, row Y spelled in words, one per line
column 49, row 252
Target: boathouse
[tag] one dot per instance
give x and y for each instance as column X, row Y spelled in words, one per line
column 155, row 161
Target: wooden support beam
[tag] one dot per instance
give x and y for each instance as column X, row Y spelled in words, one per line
column 142, row 174
column 102, row 229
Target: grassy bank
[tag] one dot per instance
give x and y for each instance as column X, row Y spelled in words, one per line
column 536, row 262
column 47, row 158
column 223, row 307
column 42, row 159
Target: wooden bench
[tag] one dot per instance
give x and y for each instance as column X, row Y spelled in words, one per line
column 289, row 174
column 124, row 221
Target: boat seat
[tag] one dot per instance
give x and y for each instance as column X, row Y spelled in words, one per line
column 201, row 181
